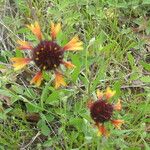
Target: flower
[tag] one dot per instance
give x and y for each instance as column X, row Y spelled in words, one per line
column 101, row 111
column 47, row 54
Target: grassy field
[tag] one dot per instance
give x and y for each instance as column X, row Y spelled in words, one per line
column 116, row 41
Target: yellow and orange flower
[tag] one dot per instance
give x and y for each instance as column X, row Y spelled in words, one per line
column 47, row 54
column 102, row 111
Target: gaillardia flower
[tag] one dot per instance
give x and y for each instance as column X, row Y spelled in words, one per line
column 101, row 111
column 47, row 54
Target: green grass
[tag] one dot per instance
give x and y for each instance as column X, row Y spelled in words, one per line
column 116, row 54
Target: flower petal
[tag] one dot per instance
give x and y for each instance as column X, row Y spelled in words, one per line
column 55, row 28
column 24, row 45
column 99, row 94
column 102, row 130
column 35, row 28
column 117, row 123
column 68, row 64
column 118, row 106
column 37, row 79
column 74, row 44
column 59, row 80
column 89, row 103
column 109, row 93
column 19, row 63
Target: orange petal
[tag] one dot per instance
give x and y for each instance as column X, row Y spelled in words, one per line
column 74, row 44
column 109, row 93
column 102, row 130
column 55, row 28
column 118, row 106
column 59, row 80
column 99, row 94
column 37, row 79
column 19, row 63
column 24, row 45
column 35, row 28
column 117, row 123
column 89, row 103
column 68, row 64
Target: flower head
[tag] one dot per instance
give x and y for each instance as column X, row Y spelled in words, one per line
column 48, row 55
column 102, row 111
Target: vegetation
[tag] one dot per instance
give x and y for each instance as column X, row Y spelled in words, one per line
column 116, row 50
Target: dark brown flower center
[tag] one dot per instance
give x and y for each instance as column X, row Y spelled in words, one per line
column 48, row 55
column 101, row 111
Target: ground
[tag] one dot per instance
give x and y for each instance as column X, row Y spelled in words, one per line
column 116, row 53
